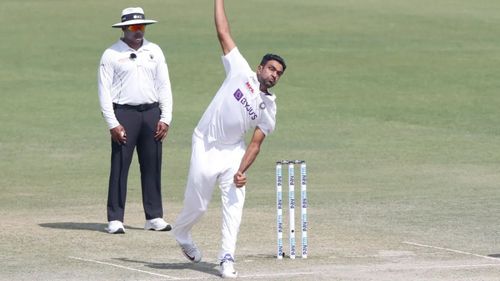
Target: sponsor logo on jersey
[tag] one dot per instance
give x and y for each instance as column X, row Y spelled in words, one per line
column 238, row 95
column 249, row 87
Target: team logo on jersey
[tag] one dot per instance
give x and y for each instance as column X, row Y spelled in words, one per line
column 238, row 95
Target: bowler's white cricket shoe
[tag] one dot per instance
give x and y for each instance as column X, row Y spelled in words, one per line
column 115, row 227
column 191, row 252
column 157, row 224
column 227, row 267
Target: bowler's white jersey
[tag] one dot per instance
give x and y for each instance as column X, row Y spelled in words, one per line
column 238, row 106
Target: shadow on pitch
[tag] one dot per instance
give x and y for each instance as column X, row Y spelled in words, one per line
column 494, row 256
column 100, row 227
column 257, row 256
column 76, row 226
column 205, row 267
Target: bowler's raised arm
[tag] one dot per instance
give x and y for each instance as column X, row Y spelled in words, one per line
column 222, row 27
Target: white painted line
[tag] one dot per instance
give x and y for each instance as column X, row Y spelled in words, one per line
column 192, row 278
column 458, row 266
column 381, row 268
column 275, row 275
column 125, row 267
column 450, row 250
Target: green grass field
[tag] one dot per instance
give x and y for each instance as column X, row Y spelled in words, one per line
column 394, row 105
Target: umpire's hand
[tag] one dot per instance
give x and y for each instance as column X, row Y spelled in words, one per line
column 161, row 131
column 118, row 134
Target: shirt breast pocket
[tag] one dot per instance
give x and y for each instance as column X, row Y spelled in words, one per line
column 149, row 66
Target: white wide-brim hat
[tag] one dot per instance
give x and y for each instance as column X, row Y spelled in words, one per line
column 131, row 16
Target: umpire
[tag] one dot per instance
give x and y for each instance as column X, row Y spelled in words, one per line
column 136, row 102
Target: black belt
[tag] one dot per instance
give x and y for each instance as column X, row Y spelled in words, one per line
column 140, row 107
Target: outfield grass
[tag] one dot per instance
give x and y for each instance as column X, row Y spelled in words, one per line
column 394, row 105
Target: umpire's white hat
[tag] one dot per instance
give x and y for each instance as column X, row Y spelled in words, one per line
column 132, row 16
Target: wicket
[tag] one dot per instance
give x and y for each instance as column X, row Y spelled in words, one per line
column 291, row 206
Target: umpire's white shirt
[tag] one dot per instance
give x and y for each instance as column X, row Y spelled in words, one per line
column 238, row 106
column 140, row 78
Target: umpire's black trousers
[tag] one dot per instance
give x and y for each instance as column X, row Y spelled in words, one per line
column 140, row 126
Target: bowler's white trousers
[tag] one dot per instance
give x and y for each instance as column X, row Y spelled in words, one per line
column 212, row 163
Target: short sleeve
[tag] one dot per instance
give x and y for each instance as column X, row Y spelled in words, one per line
column 235, row 63
column 267, row 121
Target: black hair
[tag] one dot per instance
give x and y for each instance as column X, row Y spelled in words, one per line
column 277, row 58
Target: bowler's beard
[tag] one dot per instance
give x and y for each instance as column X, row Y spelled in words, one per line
column 266, row 83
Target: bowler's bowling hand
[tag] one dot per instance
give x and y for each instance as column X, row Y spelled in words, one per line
column 240, row 179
